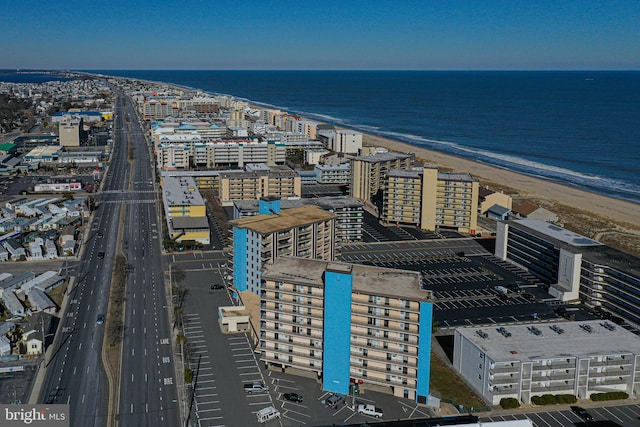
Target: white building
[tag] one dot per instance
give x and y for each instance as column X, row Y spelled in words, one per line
column 347, row 141
column 338, row 174
column 526, row 360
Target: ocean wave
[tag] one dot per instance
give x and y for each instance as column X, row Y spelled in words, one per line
column 596, row 183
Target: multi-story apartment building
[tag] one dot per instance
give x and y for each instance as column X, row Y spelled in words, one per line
column 573, row 266
column 307, row 127
column 252, row 185
column 172, row 156
column 348, row 323
column 526, row 360
column 349, row 212
column 226, row 153
column 185, row 210
column 368, row 172
column 347, row 141
column 337, row 174
column 313, row 156
column 430, row 199
column 153, row 109
column 306, row 232
column 69, row 130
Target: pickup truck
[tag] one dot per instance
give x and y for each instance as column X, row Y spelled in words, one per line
column 370, row 410
column 256, row 387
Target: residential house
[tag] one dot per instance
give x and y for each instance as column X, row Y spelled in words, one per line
column 40, row 301
column 15, row 249
column 531, row 211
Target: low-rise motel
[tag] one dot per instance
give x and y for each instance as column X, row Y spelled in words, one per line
column 349, row 324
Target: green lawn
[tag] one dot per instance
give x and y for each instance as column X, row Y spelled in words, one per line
column 447, row 383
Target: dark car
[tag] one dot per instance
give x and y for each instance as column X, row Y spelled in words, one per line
column 100, row 319
column 582, row 413
column 100, row 235
column 292, row 397
column 100, row 255
column 217, row 286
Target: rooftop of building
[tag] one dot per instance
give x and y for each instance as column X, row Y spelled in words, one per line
column 591, row 250
column 181, row 191
column 367, row 279
column 537, row 341
column 256, row 173
column 326, row 203
column 554, row 233
column 207, row 173
column 456, row 176
column 189, row 223
column 383, row 157
column 44, row 151
column 285, row 220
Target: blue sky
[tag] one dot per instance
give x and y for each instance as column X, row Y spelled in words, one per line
column 321, row 34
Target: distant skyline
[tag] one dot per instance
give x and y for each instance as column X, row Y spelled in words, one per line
column 322, row 35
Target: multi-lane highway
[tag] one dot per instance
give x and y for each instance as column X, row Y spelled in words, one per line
column 74, row 371
column 148, row 395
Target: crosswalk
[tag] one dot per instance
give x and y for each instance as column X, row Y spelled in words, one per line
column 132, row 202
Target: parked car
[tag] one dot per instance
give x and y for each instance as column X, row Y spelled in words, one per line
column 256, row 387
column 293, row 397
column 582, row 413
column 217, row 286
column 334, row 400
column 267, row 414
column 370, row 410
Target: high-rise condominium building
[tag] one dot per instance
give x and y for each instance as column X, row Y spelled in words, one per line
column 306, row 232
column 430, row 199
column 348, row 324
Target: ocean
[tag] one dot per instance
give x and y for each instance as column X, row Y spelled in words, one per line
column 580, row 128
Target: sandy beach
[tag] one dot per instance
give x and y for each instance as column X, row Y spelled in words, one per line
column 614, row 209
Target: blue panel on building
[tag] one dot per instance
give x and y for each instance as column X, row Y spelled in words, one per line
column 240, row 258
column 269, row 205
column 424, row 351
column 337, row 332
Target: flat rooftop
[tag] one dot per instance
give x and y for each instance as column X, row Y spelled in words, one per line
column 366, row 279
column 285, row 220
column 591, row 250
column 555, row 232
column 181, row 191
column 383, row 157
column 580, row 339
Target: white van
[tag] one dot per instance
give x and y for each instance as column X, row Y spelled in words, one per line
column 267, row 414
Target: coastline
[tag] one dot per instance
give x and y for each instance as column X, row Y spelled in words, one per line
column 617, row 210
column 609, row 207
column 620, row 211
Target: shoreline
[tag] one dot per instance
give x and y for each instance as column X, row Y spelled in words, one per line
column 617, row 210
column 528, row 186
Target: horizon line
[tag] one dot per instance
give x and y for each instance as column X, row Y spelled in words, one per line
column 334, row 70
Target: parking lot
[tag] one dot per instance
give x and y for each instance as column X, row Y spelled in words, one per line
column 469, row 285
column 224, row 363
column 373, row 231
column 625, row 415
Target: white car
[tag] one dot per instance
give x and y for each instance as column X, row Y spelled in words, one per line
column 370, row 410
